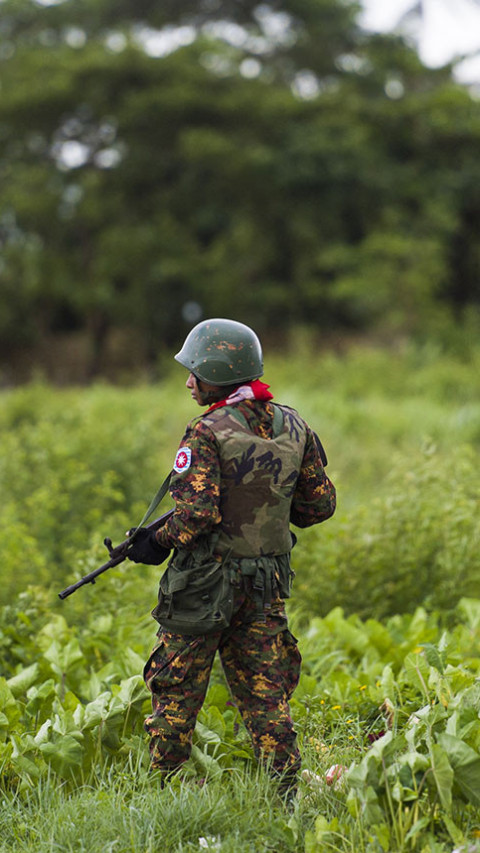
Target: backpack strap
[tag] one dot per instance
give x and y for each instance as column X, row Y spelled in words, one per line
column 278, row 421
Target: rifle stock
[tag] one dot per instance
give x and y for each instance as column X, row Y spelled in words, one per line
column 117, row 556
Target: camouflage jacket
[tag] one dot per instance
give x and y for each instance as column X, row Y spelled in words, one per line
column 234, row 477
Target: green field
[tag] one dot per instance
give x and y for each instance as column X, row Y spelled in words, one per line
column 386, row 605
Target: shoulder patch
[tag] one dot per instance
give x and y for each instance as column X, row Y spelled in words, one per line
column 182, row 460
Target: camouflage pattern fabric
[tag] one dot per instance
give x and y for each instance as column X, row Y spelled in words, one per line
column 261, row 663
column 196, row 489
column 221, row 454
column 258, row 479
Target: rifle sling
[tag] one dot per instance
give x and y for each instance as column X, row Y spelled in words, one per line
column 157, row 498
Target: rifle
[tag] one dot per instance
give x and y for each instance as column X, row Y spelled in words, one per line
column 117, row 555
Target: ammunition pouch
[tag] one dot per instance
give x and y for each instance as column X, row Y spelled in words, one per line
column 196, row 595
column 197, row 591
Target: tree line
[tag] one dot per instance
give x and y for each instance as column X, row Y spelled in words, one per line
column 271, row 162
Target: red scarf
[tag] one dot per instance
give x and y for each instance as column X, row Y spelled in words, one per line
column 254, row 390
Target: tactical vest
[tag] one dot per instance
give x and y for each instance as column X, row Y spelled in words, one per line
column 258, row 479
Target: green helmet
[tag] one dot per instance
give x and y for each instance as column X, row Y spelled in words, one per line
column 222, row 352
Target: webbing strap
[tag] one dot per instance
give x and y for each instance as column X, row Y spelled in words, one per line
column 157, row 498
column 277, row 421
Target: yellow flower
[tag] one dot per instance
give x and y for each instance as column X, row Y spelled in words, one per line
column 336, row 707
column 363, row 687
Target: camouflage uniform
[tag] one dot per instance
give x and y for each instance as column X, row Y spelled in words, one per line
column 241, row 474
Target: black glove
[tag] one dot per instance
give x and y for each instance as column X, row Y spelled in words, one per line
column 145, row 548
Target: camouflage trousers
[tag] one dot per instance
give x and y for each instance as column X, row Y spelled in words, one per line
column 261, row 662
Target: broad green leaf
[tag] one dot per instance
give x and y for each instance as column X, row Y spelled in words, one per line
column 416, row 761
column 213, row 719
column 348, row 633
column 25, row 766
column 466, row 766
column 64, row 658
column 370, row 769
column 42, row 735
column 434, row 657
column 64, row 755
column 8, row 703
column 206, row 735
column 380, row 832
column 55, row 630
column 113, row 724
column 388, row 683
column 452, row 724
column 64, row 724
column 116, row 711
column 241, row 753
column 6, row 750
column 398, row 791
column 460, row 680
column 20, row 683
column 4, row 722
column 454, row 832
column 218, row 696
column 370, row 808
column 206, row 763
column 70, row 701
column 95, row 711
column 322, row 827
column 417, row 827
column 442, row 775
column 417, row 672
column 41, row 698
column 311, row 843
column 133, row 691
column 130, row 664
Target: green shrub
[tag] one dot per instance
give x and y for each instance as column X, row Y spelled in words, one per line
column 418, row 543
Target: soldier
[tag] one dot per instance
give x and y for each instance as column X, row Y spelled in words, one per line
column 245, row 469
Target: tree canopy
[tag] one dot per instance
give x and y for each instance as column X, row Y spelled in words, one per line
column 273, row 162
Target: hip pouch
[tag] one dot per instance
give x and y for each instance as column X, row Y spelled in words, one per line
column 195, row 595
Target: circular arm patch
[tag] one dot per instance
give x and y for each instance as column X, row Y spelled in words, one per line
column 182, row 460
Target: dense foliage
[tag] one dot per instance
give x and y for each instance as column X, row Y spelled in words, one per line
column 401, row 433
column 385, row 606
column 280, row 165
column 397, row 703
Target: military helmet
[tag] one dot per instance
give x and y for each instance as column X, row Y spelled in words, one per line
column 222, row 352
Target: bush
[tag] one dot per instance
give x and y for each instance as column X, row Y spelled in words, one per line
column 419, row 543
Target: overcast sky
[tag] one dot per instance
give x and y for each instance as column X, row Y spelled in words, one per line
column 450, row 27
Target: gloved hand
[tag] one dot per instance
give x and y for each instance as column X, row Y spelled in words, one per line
column 145, row 549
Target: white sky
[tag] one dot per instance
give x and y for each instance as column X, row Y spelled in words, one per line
column 450, row 27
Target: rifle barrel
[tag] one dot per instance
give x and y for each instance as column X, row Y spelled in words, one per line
column 90, row 578
column 114, row 561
